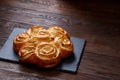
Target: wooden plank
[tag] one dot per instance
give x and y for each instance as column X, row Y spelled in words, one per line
column 21, row 72
column 43, row 18
column 107, row 13
column 9, row 75
column 100, row 65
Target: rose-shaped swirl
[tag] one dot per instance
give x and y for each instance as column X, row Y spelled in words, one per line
column 48, row 55
column 42, row 36
column 57, row 32
column 65, row 46
column 20, row 40
column 27, row 53
column 34, row 30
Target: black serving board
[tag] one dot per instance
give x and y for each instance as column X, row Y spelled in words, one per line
column 70, row 64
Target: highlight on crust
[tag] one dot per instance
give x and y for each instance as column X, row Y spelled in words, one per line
column 43, row 47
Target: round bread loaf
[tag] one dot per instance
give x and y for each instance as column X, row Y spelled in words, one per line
column 43, row 47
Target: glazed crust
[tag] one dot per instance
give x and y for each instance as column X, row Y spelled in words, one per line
column 19, row 40
column 43, row 47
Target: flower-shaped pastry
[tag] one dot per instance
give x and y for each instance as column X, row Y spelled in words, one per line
column 43, row 47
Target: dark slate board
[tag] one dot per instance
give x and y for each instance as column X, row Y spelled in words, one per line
column 70, row 64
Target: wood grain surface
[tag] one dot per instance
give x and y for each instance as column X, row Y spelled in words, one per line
column 98, row 22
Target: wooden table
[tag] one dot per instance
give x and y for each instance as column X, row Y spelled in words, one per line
column 98, row 22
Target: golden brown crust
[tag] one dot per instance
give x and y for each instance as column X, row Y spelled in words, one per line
column 43, row 47
column 33, row 31
column 19, row 40
column 48, row 54
column 27, row 53
column 56, row 31
column 65, row 46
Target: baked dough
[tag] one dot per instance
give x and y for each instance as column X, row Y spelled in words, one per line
column 43, row 47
